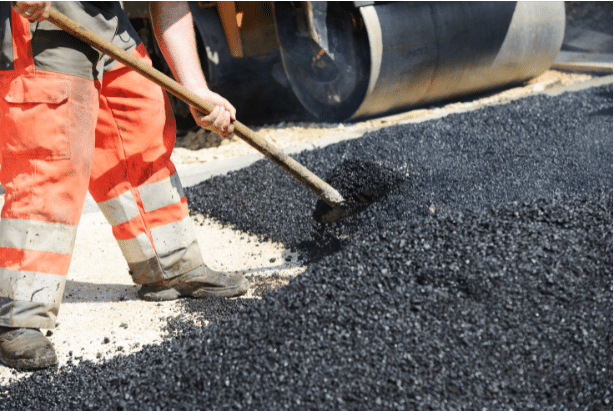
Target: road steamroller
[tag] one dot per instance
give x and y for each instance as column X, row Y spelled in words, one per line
column 342, row 61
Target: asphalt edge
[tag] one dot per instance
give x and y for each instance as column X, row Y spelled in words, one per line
column 193, row 174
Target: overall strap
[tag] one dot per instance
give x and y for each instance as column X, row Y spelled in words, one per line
column 22, row 47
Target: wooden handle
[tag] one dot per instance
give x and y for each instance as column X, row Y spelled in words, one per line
column 293, row 167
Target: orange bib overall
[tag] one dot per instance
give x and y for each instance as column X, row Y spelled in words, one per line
column 63, row 132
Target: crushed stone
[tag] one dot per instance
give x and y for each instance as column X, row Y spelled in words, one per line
column 484, row 281
column 360, row 183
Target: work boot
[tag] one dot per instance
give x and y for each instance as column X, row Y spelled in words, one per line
column 26, row 349
column 198, row 283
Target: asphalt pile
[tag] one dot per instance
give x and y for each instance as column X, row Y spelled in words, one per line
column 360, row 183
column 482, row 280
column 538, row 147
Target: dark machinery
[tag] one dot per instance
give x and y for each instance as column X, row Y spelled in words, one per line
column 338, row 61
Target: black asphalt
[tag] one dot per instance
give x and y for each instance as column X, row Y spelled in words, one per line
column 483, row 280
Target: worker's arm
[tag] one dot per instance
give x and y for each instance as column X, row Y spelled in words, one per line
column 174, row 30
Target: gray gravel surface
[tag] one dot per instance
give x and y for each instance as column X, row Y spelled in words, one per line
column 482, row 281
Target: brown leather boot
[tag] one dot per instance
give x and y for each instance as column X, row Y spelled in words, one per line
column 201, row 282
column 26, row 349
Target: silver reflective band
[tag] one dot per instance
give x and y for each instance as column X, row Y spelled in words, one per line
column 173, row 236
column 32, row 286
column 137, row 249
column 161, row 193
column 120, row 209
column 37, row 235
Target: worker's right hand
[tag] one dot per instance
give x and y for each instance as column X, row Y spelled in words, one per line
column 220, row 119
column 34, row 11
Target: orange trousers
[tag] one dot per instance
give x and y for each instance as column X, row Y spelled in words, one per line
column 62, row 134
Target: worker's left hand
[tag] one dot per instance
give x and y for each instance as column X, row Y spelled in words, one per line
column 220, row 119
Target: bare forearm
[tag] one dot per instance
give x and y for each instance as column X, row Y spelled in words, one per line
column 174, row 31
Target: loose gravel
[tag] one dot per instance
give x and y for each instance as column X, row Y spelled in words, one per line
column 360, row 183
column 537, row 147
column 482, row 281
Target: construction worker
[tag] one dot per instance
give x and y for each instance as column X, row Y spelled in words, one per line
column 73, row 119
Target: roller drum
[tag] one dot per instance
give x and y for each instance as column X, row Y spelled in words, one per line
column 420, row 52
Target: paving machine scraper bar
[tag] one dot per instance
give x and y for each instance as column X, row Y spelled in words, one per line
column 323, row 190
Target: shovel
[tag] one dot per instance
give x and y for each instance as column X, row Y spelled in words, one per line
column 323, row 190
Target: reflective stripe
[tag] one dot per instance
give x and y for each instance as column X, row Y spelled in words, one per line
column 28, row 314
column 173, row 236
column 181, row 260
column 120, row 209
column 162, row 193
column 32, row 286
column 137, row 249
column 37, row 235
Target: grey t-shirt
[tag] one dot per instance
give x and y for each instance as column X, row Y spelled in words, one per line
column 57, row 51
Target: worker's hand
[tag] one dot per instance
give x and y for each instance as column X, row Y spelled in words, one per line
column 34, row 11
column 220, row 119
